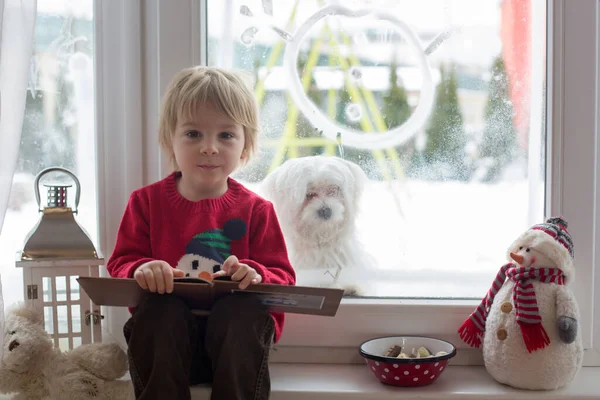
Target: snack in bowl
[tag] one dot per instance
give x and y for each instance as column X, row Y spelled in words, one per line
column 407, row 360
column 399, row 352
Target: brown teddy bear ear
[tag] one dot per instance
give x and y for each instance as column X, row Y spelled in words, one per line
column 24, row 311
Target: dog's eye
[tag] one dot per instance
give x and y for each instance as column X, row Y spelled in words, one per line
column 311, row 195
column 12, row 332
column 333, row 191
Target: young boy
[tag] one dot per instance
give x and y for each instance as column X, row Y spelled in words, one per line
column 208, row 127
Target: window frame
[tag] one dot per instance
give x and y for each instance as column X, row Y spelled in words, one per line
column 148, row 41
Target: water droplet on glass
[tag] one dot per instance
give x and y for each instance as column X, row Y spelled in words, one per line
column 284, row 35
column 353, row 112
column 355, row 73
column 360, row 39
column 268, row 7
column 338, row 138
column 248, row 35
column 244, row 10
column 33, row 74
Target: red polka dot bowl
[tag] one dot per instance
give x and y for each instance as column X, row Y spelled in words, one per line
column 407, row 371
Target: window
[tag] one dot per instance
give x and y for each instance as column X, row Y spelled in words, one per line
column 58, row 131
column 443, row 200
column 556, row 174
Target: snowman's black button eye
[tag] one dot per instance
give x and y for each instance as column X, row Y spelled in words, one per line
column 527, row 250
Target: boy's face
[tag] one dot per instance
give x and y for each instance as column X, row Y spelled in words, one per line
column 207, row 149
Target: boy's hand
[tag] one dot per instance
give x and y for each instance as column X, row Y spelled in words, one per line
column 239, row 272
column 157, row 276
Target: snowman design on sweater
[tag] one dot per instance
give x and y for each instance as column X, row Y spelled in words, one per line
column 208, row 250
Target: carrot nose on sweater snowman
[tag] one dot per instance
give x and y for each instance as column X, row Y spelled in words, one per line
column 528, row 321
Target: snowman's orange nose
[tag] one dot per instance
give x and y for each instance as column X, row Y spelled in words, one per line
column 517, row 257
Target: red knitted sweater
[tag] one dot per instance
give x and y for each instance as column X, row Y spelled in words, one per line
column 160, row 224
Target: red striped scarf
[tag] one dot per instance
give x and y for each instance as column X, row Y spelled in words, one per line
column 526, row 308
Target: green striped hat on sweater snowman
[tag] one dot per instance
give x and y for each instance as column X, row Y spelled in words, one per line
column 208, row 250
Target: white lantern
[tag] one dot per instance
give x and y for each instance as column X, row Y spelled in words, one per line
column 56, row 252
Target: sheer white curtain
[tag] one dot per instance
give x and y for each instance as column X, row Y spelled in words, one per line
column 17, row 20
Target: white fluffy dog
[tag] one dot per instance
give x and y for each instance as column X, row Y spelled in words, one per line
column 316, row 200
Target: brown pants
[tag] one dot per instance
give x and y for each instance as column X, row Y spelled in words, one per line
column 170, row 349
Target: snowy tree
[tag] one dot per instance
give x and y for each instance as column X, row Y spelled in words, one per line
column 395, row 101
column 499, row 142
column 444, row 154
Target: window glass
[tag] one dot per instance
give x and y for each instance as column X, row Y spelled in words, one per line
column 58, row 130
column 438, row 101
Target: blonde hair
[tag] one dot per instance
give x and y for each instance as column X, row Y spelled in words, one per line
column 227, row 91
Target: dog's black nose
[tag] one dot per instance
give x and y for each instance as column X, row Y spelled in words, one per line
column 13, row 345
column 324, row 212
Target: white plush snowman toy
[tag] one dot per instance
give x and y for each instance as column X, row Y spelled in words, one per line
column 528, row 321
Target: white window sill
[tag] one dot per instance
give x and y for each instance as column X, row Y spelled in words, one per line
column 354, row 381
column 335, row 381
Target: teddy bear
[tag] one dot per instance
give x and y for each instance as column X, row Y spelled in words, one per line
column 33, row 369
